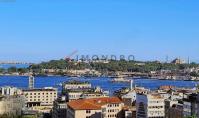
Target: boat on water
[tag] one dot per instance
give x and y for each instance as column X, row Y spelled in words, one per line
column 59, row 84
column 120, row 79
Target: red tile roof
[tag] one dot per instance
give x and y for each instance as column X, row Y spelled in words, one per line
column 93, row 104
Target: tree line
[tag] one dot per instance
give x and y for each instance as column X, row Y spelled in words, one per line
column 113, row 65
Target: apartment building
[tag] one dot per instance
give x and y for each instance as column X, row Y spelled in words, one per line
column 95, row 108
column 191, row 105
column 60, row 108
column 176, row 111
column 150, row 106
column 40, row 98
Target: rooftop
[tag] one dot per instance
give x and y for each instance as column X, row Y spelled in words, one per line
column 40, row 89
column 152, row 95
column 93, row 104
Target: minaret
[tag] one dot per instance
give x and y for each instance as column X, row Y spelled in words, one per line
column 167, row 59
column 31, row 81
column 188, row 60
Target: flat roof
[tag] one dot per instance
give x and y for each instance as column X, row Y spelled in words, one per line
column 39, row 89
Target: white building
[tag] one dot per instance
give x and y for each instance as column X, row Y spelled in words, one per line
column 7, row 90
column 130, row 95
column 150, row 106
column 76, row 85
column 75, row 94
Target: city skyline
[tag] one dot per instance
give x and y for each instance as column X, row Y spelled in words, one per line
column 35, row 31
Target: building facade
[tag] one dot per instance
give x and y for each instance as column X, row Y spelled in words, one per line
column 12, row 105
column 60, row 108
column 191, row 105
column 95, row 108
column 40, row 98
column 150, row 106
column 76, row 85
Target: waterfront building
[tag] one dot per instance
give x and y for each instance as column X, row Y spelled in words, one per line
column 95, row 108
column 60, row 108
column 75, row 94
column 53, row 71
column 40, row 99
column 76, row 85
column 12, row 105
column 8, row 90
column 150, row 106
column 84, row 72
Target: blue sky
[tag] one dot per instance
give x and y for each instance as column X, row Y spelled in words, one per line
column 38, row 30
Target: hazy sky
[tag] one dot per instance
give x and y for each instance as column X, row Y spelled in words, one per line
column 37, row 30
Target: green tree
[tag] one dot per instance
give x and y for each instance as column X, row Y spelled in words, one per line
column 12, row 69
column 2, row 70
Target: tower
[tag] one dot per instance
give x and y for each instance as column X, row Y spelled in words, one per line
column 188, row 60
column 131, row 84
column 167, row 58
column 31, row 82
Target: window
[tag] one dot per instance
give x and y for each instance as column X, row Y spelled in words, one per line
column 88, row 111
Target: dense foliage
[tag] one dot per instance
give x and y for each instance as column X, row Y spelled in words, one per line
column 13, row 70
column 112, row 66
column 122, row 65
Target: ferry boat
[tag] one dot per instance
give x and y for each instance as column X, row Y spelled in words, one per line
column 120, row 79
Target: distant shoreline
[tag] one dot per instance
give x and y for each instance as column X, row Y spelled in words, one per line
column 6, row 75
